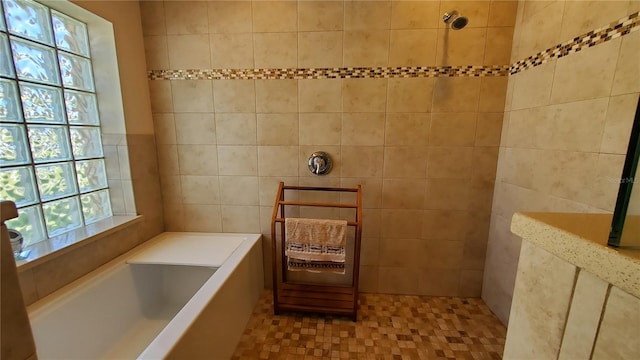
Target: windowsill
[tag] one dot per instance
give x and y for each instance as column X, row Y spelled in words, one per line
column 53, row 247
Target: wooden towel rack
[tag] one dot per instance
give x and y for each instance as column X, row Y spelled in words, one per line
column 314, row 297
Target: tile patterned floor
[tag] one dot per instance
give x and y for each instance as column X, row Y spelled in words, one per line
column 388, row 327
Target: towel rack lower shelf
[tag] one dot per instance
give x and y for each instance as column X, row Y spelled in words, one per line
column 313, row 297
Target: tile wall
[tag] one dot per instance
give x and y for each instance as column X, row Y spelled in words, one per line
column 424, row 148
column 566, row 126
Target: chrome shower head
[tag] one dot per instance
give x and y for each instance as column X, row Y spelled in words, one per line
column 454, row 20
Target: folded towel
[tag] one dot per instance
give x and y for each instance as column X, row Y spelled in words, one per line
column 315, row 245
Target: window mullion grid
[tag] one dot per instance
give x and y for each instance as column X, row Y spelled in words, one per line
column 67, row 125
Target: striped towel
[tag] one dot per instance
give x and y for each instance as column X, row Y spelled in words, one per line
column 315, row 245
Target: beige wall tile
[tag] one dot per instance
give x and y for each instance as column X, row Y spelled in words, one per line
column 453, row 129
column 277, row 129
column 401, row 223
column 502, row 13
column 470, row 283
column 493, row 91
column 240, row 219
column 161, row 96
column 604, row 187
column 446, row 194
column 449, row 162
column 320, row 128
column 410, row 95
column 168, row 160
column 444, row 225
column 411, row 129
column 186, row 17
column 363, row 129
column 203, row 190
column 152, row 16
column 582, row 16
column 489, row 129
column 364, row 95
column 403, row 193
column 587, row 74
column 320, row 49
column 533, row 333
column 481, row 199
column 485, row 160
column 627, row 75
column 192, row 95
column 498, row 46
column 444, row 255
column 198, row 159
column 456, row 94
column 621, row 315
column 584, row 316
column 368, row 281
column 278, row 160
column 239, row 190
column 576, row 126
column 171, row 189
column 268, row 188
column 276, row 96
column 323, row 95
column 405, row 162
column 320, row 15
column 236, row 128
column 362, row 161
column 413, row 47
column 175, row 222
column 415, row 14
column 541, row 29
column 618, row 123
column 437, row 281
column 397, row 280
column 275, row 16
column 576, row 173
column 369, row 251
column 230, row 17
column 366, row 15
column 189, row 51
column 238, row 160
column 195, row 128
column 476, row 11
column 204, row 218
column 165, row 129
column 275, row 50
column 366, row 48
column 231, row 51
column 234, row 96
column 474, row 256
column 458, row 48
column 533, row 87
column 402, row 252
column 371, row 191
column 156, row 52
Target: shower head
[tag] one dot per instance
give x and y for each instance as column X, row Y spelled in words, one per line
column 454, row 20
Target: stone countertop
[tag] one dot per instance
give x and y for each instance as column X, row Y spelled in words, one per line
column 581, row 239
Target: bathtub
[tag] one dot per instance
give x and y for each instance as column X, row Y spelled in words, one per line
column 178, row 295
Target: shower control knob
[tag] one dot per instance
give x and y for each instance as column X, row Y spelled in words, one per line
column 320, row 163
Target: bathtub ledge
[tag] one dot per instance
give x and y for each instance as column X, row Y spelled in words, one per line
column 581, row 240
column 51, row 248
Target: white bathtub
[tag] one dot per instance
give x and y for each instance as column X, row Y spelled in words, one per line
column 179, row 295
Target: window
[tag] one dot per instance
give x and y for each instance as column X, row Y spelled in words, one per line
column 51, row 156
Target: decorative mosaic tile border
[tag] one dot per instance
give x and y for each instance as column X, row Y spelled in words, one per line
column 614, row 30
column 595, row 37
column 330, row 73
